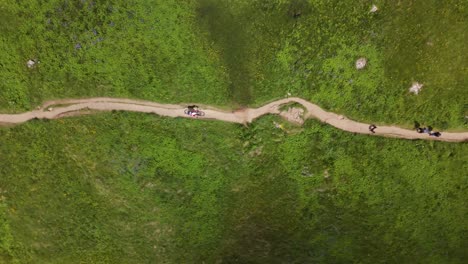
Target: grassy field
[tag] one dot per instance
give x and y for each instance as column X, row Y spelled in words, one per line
column 135, row 188
column 237, row 53
column 143, row 49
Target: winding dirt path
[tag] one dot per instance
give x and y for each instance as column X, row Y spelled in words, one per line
column 61, row 108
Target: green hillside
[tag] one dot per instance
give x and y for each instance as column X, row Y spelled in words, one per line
column 237, row 53
column 121, row 187
column 134, row 188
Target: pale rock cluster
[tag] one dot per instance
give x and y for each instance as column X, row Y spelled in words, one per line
column 415, row 88
column 361, row 63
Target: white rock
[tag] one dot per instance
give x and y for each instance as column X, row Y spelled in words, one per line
column 361, row 63
column 415, row 88
column 30, row 63
column 374, row 9
column 50, row 109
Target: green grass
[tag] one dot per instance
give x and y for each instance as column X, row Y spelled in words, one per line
column 135, row 188
column 126, row 197
column 138, row 49
column 243, row 53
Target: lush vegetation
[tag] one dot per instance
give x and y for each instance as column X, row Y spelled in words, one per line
column 135, row 188
column 242, row 52
column 145, row 49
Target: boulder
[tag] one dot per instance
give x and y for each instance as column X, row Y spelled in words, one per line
column 361, row 63
column 30, row 63
column 415, row 88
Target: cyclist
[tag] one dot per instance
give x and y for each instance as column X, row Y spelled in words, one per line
column 192, row 110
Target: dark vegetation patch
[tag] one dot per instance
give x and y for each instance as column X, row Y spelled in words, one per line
column 228, row 34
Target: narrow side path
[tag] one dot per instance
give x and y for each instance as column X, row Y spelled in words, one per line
column 74, row 106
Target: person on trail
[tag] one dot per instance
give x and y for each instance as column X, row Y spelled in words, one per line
column 372, row 127
column 192, row 110
column 435, row 134
column 423, row 130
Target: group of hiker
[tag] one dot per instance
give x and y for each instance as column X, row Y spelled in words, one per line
column 428, row 130
column 419, row 129
column 192, row 110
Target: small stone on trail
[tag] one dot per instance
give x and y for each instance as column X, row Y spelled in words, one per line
column 415, row 88
column 50, row 109
column 361, row 63
column 374, row 9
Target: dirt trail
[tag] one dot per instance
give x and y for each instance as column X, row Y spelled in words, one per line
column 73, row 106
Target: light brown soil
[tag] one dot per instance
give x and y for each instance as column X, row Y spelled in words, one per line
column 242, row 116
